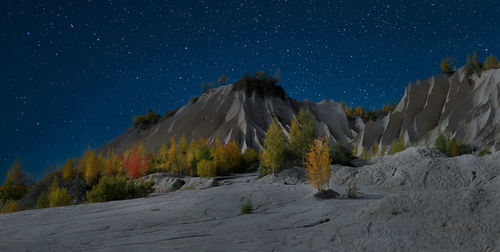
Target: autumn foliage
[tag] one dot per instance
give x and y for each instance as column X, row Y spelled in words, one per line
column 317, row 164
column 137, row 162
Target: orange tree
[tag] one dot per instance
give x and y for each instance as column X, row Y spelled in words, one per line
column 317, row 164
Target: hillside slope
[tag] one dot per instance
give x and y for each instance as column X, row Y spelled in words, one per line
column 466, row 108
column 225, row 113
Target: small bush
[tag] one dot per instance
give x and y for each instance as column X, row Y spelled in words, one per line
column 145, row 121
column 193, row 100
column 247, row 207
column 395, row 211
column 398, row 146
column 484, row 152
column 447, row 65
column 451, row 147
column 43, row 201
column 118, row 188
column 206, row 168
column 473, row 65
column 10, row 206
column 263, row 171
column 352, row 192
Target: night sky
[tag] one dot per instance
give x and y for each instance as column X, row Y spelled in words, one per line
column 74, row 73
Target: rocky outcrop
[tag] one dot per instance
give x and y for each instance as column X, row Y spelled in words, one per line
column 166, row 182
column 226, row 114
column 452, row 104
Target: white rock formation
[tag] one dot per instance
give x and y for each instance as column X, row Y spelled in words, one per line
column 227, row 114
column 466, row 108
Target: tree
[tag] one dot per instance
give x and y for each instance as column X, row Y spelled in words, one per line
column 172, row 154
column 398, row 146
column 222, row 79
column 447, row 64
column 301, row 134
column 490, row 62
column 94, row 167
column 454, row 148
column 250, row 157
column 58, row 196
column 206, row 168
column 16, row 183
column 68, row 170
column 114, row 165
column 137, row 162
column 441, row 144
column 473, row 65
column 10, row 206
column 359, row 111
column 181, row 155
column 317, row 164
column 274, row 146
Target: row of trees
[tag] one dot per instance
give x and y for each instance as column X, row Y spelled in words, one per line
column 473, row 65
column 366, row 114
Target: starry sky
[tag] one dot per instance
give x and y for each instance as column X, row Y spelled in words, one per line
column 74, row 73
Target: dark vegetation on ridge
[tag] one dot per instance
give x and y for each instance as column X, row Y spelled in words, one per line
column 260, row 83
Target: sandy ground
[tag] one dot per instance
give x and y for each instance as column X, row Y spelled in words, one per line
column 286, row 218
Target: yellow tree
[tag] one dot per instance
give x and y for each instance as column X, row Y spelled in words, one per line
column 172, row 153
column 206, row 168
column 317, row 164
column 447, row 64
column 58, row 196
column 94, row 168
column 455, row 149
column 232, row 156
column 274, row 147
column 160, row 160
column 68, row 170
column 359, row 111
column 181, row 155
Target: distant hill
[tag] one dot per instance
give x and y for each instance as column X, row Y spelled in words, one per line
column 242, row 112
column 453, row 104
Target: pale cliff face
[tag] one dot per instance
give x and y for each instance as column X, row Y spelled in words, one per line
column 464, row 108
column 227, row 114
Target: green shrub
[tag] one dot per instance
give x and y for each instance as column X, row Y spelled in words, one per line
column 340, row 154
column 43, row 201
column 263, row 171
column 10, row 206
column 59, row 197
column 484, row 152
column 118, row 188
column 247, row 207
column 451, row 147
column 473, row 65
column 250, row 158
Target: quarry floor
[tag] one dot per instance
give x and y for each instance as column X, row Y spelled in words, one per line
column 285, row 218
